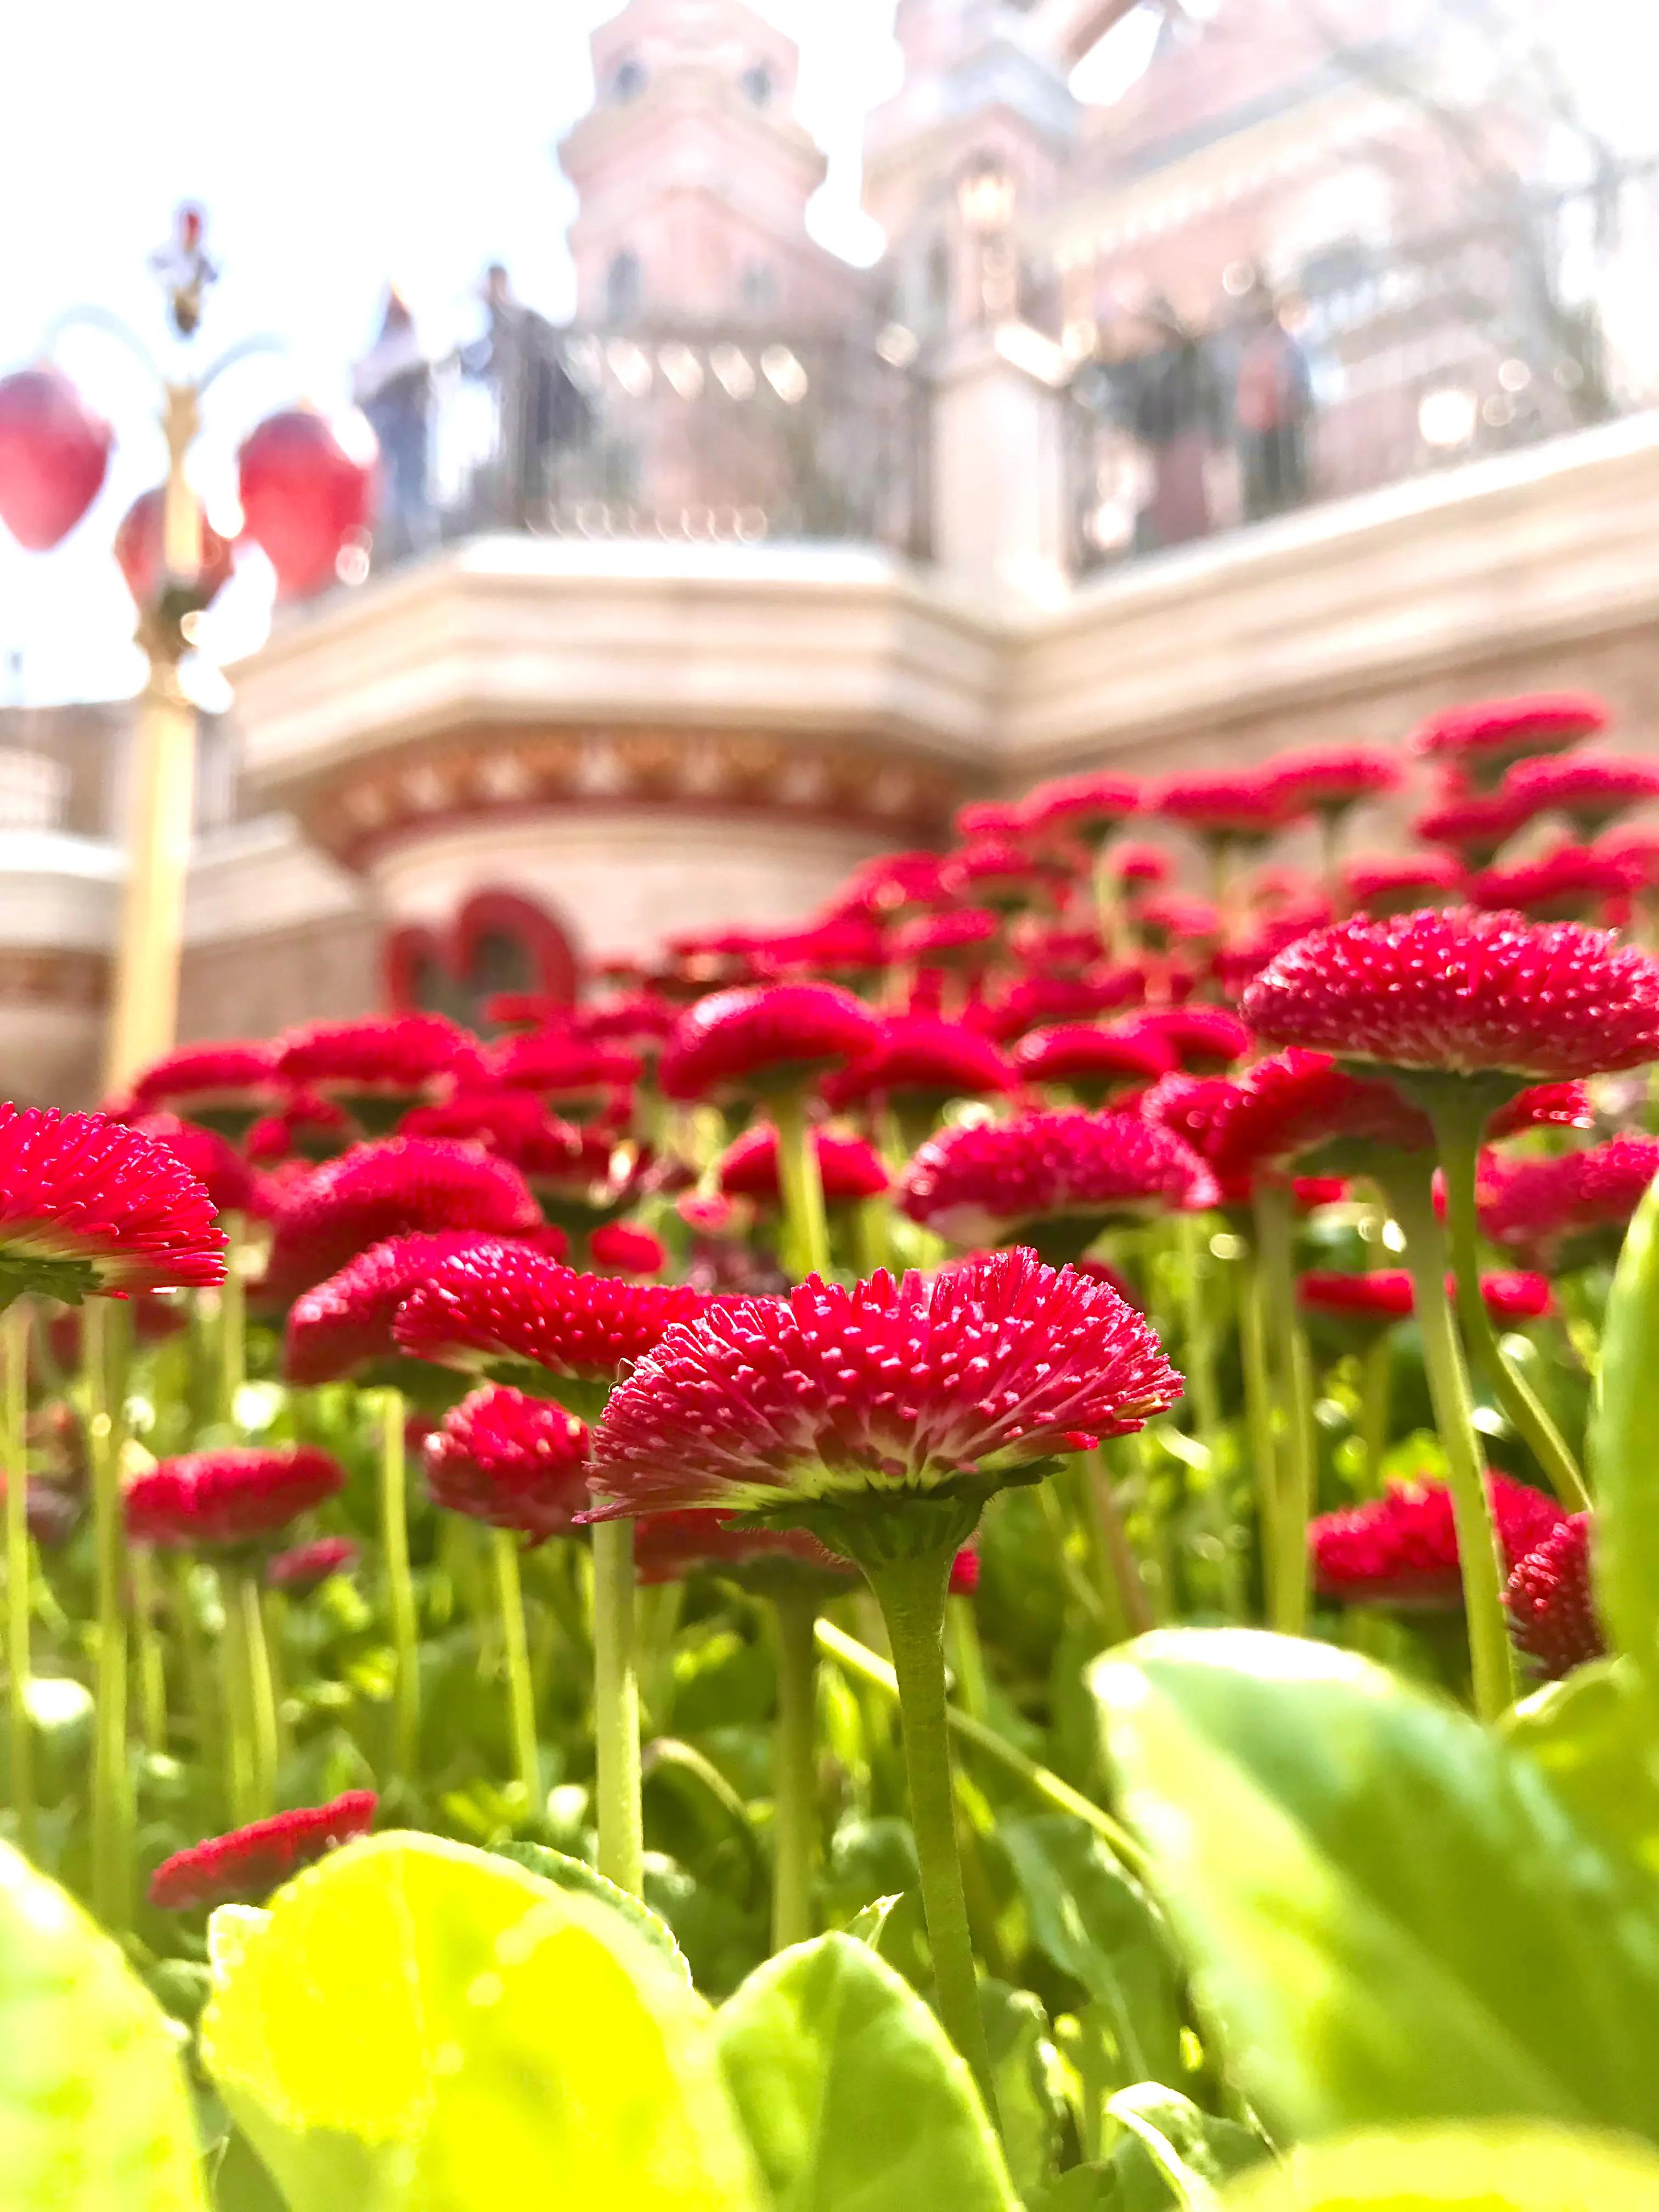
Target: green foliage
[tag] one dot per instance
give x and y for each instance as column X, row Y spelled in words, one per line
column 1487, row 2169
column 1390, row 1916
column 93, row 2113
column 566, row 1873
column 853, row 2099
column 419, row 2026
column 1625, row 1449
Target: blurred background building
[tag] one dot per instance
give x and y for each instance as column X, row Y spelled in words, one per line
column 1299, row 388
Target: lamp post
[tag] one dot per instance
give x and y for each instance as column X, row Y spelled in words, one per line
column 301, row 490
column 985, row 201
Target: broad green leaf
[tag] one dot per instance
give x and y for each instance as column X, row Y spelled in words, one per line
column 420, row 2027
column 1495, row 2168
column 566, row 1873
column 1386, row 1911
column 94, row 2116
column 1593, row 1737
column 1195, row 2152
column 851, row 2095
column 1624, row 1449
column 1093, row 1921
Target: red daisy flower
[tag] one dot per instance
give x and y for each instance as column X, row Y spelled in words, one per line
column 307, row 1126
column 916, row 1057
column 844, row 950
column 512, row 1461
column 1205, row 1040
column 1569, row 885
column 306, row 1567
column 221, row 1085
column 1134, row 863
column 1384, row 883
column 1033, row 1001
column 1402, row 1549
column 1172, row 917
column 1222, row 807
column 962, row 936
column 1513, row 1295
column 1543, row 1106
column 1482, row 740
column 501, row 1311
column 850, row 1169
column 88, row 1204
column 986, row 817
column 402, row 1186
column 998, row 872
column 981, row 1377
column 1303, row 1102
column 203, row 1153
column 1041, row 943
column 246, row 1865
column 504, row 1120
column 1563, row 1212
column 526, row 1010
column 558, row 1065
column 1327, row 779
column 622, row 1248
column 638, row 1020
column 1466, row 993
column 343, row 1325
column 669, row 1547
column 892, row 883
column 1193, row 1107
column 1092, row 805
column 379, row 1066
column 1061, row 1177
column 1590, row 789
column 736, row 1044
column 1384, row 1295
column 238, row 1494
column 1472, row 825
column 1551, row 1612
column 1092, row 1061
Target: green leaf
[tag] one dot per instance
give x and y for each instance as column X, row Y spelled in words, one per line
column 1195, row 2152
column 1387, row 1913
column 566, row 1873
column 1592, row 1737
column 94, row 2116
column 1487, row 2169
column 422, row 2026
column 1623, row 1457
column 1030, row 2107
column 1092, row 1920
column 865, row 1926
column 852, row 2097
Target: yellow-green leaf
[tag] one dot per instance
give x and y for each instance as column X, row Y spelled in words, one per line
column 1495, row 2168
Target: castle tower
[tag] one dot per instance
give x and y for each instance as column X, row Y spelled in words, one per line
column 694, row 176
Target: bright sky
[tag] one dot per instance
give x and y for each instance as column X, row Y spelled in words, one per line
column 337, row 144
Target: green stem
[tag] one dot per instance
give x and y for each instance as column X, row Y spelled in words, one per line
column 241, row 1760
column 274, row 1604
column 1198, row 1305
column 1294, row 1495
column 872, row 1239
column 232, row 1323
column 1458, row 1135
column 911, row 1592
column 967, row 1655
column 1117, row 1570
column 107, row 1345
column 400, row 1589
column 1258, row 1413
column 198, row 1689
column 617, row 1708
column 249, row 1632
column 152, row 1666
column 801, row 1185
column 1376, row 1400
column 1493, row 1660
column 794, row 1772
column 20, row 1577
column 870, row 1667
column 520, row 1690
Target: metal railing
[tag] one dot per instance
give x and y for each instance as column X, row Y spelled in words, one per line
column 707, row 434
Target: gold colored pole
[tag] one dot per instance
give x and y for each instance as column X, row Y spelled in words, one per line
column 144, row 1014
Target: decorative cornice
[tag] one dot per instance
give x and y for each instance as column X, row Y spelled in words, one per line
column 496, row 769
column 36, row 975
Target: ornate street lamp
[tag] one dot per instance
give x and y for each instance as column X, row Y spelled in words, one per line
column 304, row 499
column 985, row 201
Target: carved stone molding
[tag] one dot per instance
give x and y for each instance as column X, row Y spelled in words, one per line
column 475, row 772
column 51, row 975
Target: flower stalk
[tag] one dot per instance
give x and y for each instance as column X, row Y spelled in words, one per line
column 20, row 1579
column 617, row 1708
column 107, row 1351
column 520, row 1688
column 1293, row 1493
column 800, row 1184
column 794, row 1771
column 400, row 1589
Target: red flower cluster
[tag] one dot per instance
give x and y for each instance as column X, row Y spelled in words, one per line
column 850, row 1169
column 996, row 1366
column 621, row 1247
column 1556, row 1212
column 305, row 1567
column 1384, row 1296
column 343, row 1325
column 250, row 1862
column 237, row 1495
column 1479, row 741
column 1092, row 1061
column 221, row 1086
column 985, row 1183
column 739, row 1043
column 89, row 1204
column 398, row 1056
column 1551, row 1612
column 916, row 1056
column 1402, row 1549
column 202, row 1153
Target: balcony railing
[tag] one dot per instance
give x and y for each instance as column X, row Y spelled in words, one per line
column 692, row 433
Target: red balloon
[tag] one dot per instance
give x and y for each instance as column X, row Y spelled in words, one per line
column 138, row 551
column 53, row 454
column 303, row 497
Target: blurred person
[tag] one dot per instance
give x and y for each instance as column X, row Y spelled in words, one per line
column 1168, row 394
column 1273, row 398
column 541, row 410
column 393, row 384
